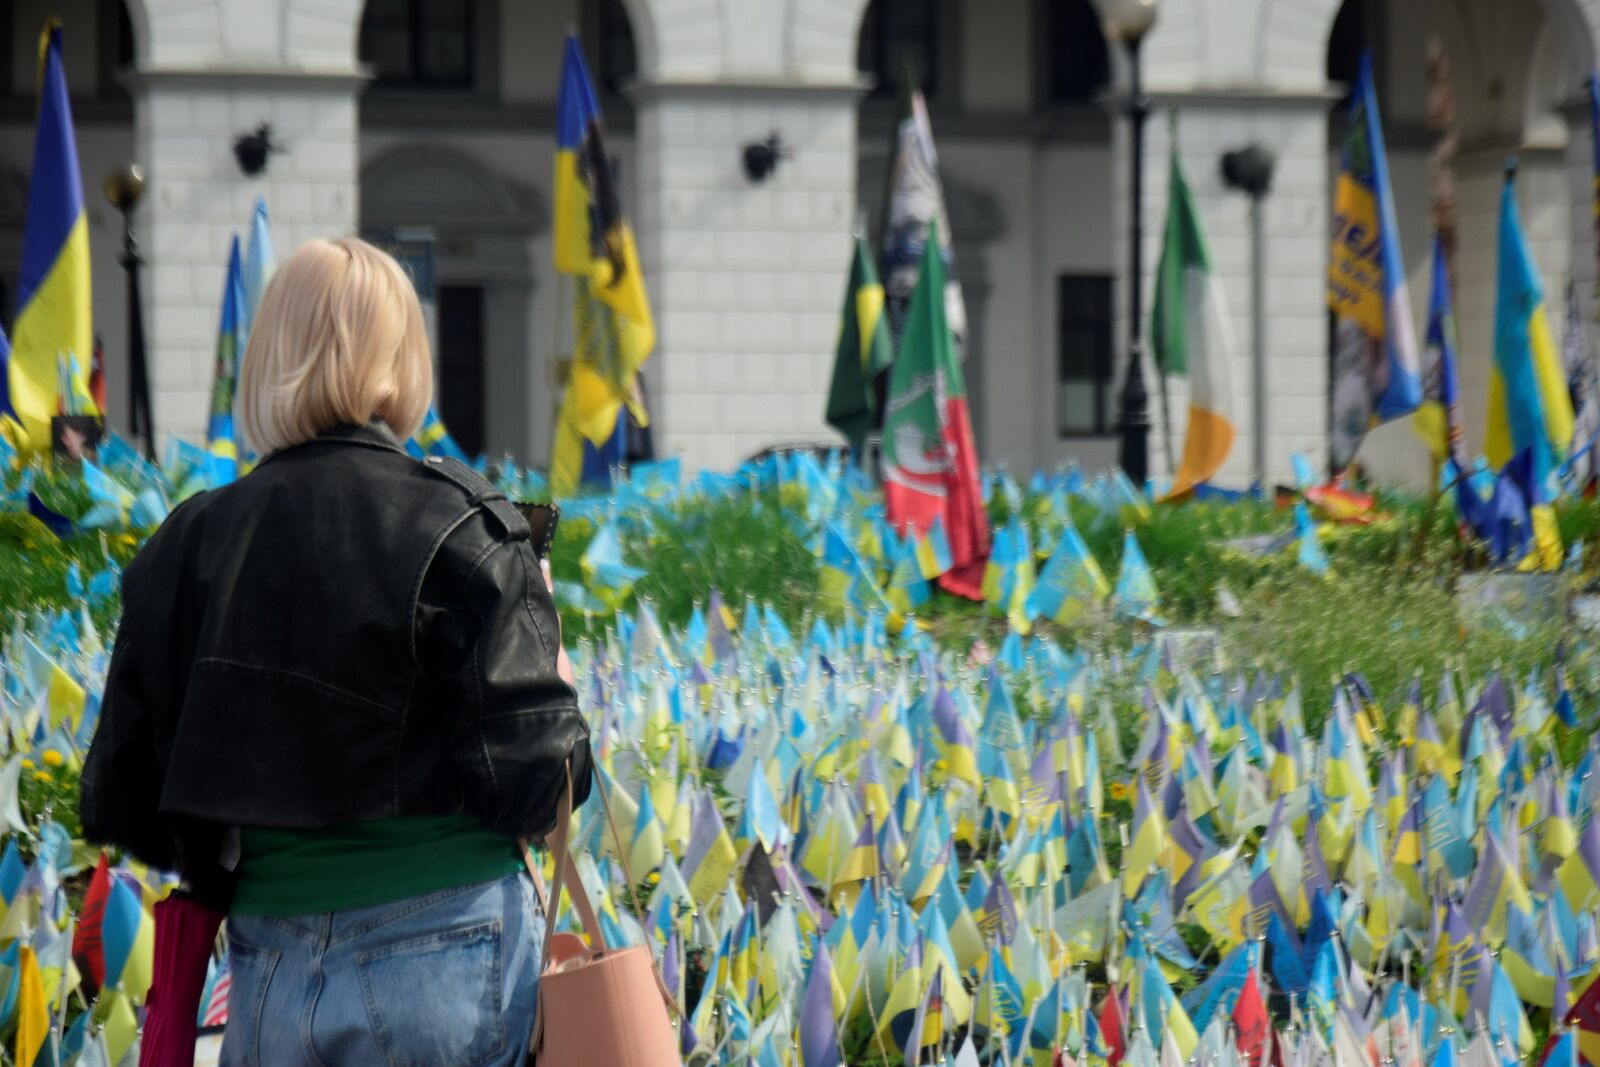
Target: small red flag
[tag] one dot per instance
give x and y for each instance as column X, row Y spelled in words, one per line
column 88, row 949
column 1250, row 1020
column 1585, row 1019
column 1111, row 1029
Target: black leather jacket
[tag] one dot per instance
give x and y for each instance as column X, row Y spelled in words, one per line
column 344, row 635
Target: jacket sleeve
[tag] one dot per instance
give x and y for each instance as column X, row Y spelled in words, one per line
column 123, row 773
column 485, row 617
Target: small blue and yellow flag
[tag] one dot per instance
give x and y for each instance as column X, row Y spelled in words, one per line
column 53, row 305
column 223, row 465
column 433, row 439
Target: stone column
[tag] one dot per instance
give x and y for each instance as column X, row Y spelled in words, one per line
column 745, row 277
column 207, row 72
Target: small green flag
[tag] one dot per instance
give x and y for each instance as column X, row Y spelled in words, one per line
column 864, row 352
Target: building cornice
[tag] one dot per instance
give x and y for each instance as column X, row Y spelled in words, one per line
column 681, row 86
column 225, row 76
column 1251, row 96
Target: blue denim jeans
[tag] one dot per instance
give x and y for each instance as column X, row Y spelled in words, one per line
column 443, row 980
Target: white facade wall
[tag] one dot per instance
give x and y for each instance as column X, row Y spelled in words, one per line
column 746, row 280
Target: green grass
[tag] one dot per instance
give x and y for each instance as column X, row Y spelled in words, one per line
column 742, row 546
column 1388, row 608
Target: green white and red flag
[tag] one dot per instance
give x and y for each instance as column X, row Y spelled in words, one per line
column 929, row 457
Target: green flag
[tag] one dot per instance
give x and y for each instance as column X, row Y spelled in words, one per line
column 930, row 460
column 864, row 352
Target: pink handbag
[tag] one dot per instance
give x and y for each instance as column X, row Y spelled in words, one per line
column 596, row 1004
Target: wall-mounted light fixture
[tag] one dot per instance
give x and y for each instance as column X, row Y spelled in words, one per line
column 762, row 157
column 252, row 149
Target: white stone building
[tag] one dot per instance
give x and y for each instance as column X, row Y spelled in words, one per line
column 439, row 114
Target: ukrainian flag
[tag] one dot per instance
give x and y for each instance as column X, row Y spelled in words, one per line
column 613, row 332
column 220, row 443
column 53, row 308
column 432, row 439
column 1377, row 375
column 1529, row 407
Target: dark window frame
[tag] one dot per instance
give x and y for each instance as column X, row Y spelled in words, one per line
column 1100, row 360
column 473, row 64
column 874, row 51
column 1049, row 16
column 611, row 27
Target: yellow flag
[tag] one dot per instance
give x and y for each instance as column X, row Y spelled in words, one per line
column 33, row 1017
column 67, row 698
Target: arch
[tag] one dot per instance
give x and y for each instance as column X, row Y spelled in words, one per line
column 1294, row 43
column 1176, row 50
column 646, row 41
column 446, row 189
column 139, row 19
column 823, row 35
column 327, row 29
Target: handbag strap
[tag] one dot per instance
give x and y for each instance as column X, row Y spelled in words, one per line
column 622, row 853
column 578, row 895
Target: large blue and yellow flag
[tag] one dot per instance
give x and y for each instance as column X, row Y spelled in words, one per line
column 1438, row 420
column 220, row 441
column 1528, row 403
column 1376, row 370
column 613, row 332
column 53, row 308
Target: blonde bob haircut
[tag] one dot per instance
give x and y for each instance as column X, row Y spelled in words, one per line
column 338, row 340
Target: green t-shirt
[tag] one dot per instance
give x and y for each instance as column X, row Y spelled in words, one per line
column 309, row 872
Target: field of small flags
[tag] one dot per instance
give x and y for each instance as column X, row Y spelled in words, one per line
column 1224, row 783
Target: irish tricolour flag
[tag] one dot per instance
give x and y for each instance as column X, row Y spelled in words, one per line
column 1192, row 336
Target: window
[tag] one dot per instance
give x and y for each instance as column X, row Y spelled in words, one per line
column 1083, row 376
column 462, row 373
column 419, row 42
column 899, row 36
column 1346, row 41
column 116, row 48
column 618, row 61
column 1077, row 65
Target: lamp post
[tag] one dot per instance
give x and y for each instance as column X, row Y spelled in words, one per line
column 1249, row 170
column 124, row 186
column 1130, row 21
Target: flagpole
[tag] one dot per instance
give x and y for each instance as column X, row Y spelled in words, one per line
column 1166, row 421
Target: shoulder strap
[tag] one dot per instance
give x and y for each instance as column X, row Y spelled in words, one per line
column 480, row 494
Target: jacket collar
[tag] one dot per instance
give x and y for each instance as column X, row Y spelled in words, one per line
column 375, row 434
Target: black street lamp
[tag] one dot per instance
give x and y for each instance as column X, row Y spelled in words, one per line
column 123, row 187
column 1130, row 21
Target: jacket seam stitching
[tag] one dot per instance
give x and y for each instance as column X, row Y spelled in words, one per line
column 527, row 596
column 477, row 671
column 411, row 635
column 543, row 709
column 422, row 573
column 279, row 672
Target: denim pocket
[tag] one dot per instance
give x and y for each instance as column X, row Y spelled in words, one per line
column 250, row 970
column 434, row 1000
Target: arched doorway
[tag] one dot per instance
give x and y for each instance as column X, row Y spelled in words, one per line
column 467, row 230
column 1462, row 85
